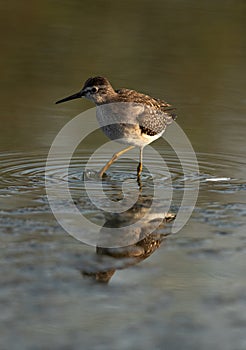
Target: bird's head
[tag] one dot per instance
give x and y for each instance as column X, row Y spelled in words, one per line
column 97, row 89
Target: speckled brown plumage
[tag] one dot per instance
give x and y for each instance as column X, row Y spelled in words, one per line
column 157, row 113
column 125, row 115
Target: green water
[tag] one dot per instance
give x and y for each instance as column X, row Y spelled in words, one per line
column 190, row 293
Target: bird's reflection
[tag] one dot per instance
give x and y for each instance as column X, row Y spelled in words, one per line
column 143, row 241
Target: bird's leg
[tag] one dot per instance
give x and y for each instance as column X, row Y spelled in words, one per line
column 140, row 165
column 113, row 159
column 140, row 168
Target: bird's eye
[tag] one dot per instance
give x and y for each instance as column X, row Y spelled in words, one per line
column 94, row 90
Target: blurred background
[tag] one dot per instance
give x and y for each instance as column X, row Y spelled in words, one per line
column 191, row 293
column 187, row 52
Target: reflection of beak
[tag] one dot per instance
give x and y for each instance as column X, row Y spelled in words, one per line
column 72, row 97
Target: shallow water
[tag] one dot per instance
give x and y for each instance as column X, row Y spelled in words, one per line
column 176, row 290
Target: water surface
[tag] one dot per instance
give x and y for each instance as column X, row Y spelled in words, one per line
column 190, row 291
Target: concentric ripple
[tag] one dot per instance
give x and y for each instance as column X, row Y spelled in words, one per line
column 27, row 170
column 22, row 177
column 22, row 169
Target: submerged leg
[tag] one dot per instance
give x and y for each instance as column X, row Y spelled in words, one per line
column 113, row 159
column 140, row 168
column 140, row 165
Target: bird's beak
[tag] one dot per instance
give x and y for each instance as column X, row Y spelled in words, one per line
column 72, row 97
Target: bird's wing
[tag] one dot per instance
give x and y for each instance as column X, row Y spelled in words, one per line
column 127, row 95
column 155, row 115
